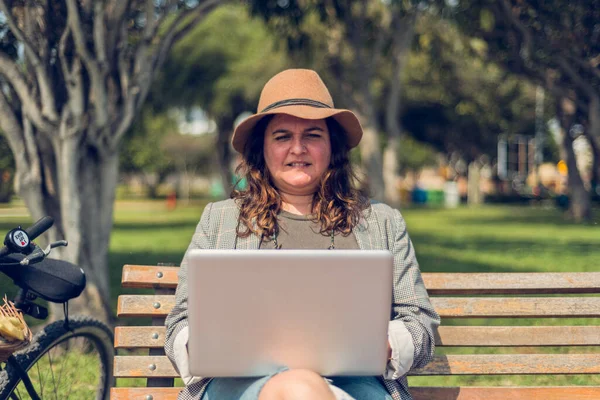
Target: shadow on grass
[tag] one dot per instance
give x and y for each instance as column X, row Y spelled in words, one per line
column 486, row 244
column 440, row 259
column 507, row 215
column 432, row 263
column 153, row 225
column 522, row 219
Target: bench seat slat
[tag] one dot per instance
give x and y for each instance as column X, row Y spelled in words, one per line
column 147, row 276
column 142, row 393
column 131, row 337
column 145, row 305
column 512, row 283
column 138, row 337
column 419, row 393
column 503, row 393
column 509, row 364
column 500, row 336
column 453, row 307
column 492, row 364
column 516, row 307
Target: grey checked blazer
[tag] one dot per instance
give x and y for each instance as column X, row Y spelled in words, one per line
column 381, row 228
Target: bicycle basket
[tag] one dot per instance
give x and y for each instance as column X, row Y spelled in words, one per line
column 14, row 332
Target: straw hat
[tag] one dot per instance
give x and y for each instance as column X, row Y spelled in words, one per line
column 300, row 93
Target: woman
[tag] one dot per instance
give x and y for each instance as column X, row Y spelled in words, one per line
column 300, row 194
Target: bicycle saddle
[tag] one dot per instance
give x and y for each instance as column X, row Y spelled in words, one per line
column 53, row 280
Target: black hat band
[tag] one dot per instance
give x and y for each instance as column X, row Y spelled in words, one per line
column 296, row 102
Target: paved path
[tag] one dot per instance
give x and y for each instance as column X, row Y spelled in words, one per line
column 14, row 212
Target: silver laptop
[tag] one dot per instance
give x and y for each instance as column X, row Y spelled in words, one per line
column 252, row 312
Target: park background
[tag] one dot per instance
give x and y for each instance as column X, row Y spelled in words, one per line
column 481, row 119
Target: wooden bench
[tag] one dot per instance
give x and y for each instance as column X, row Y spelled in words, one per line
column 456, row 297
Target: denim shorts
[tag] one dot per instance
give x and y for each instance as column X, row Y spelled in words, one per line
column 344, row 388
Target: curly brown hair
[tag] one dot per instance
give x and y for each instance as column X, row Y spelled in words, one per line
column 337, row 205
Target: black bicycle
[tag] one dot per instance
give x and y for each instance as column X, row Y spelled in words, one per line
column 68, row 359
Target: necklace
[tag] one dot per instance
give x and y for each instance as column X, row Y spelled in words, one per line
column 278, row 246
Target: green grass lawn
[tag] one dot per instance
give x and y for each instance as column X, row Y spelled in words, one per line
column 502, row 239
column 483, row 239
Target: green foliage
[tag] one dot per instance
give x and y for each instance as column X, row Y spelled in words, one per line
column 554, row 43
column 141, row 150
column 414, row 155
column 221, row 65
column 457, row 100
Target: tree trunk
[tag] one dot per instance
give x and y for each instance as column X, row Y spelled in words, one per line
column 473, row 182
column 86, row 182
column 370, row 151
column 365, row 52
column 595, row 178
column 579, row 198
column 403, row 32
column 593, row 134
column 390, row 171
column 225, row 159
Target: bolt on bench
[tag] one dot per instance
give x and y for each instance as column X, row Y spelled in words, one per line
column 454, row 295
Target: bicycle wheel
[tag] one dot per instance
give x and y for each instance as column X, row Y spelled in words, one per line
column 61, row 364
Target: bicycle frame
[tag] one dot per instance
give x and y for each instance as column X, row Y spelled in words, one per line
column 12, row 361
column 23, row 302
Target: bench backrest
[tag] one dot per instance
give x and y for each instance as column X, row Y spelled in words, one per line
column 467, row 297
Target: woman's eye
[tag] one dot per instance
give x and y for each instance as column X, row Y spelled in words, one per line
column 280, row 138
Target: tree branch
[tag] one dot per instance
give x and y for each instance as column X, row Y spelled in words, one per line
column 46, row 92
column 73, row 77
column 126, row 119
column 588, row 65
column 527, row 45
column 176, row 31
column 62, row 46
column 98, row 92
column 114, row 23
column 146, row 63
column 100, row 34
column 583, row 85
column 27, row 163
column 123, row 64
column 28, row 47
column 11, row 72
column 11, row 128
column 151, row 25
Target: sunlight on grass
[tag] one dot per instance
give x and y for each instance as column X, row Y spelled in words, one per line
column 70, row 375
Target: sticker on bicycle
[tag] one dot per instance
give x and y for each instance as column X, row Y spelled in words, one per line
column 20, row 238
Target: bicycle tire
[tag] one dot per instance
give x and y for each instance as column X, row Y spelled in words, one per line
column 53, row 339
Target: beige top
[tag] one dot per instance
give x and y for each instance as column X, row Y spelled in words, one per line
column 299, row 232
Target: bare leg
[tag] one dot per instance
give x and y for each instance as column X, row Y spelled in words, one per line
column 296, row 384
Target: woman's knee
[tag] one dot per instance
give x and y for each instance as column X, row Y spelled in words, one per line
column 296, row 384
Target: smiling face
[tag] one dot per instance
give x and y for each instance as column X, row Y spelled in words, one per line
column 297, row 153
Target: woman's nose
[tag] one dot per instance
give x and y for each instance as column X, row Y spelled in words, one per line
column 298, row 146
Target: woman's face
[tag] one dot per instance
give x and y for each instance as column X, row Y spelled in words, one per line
column 297, row 153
